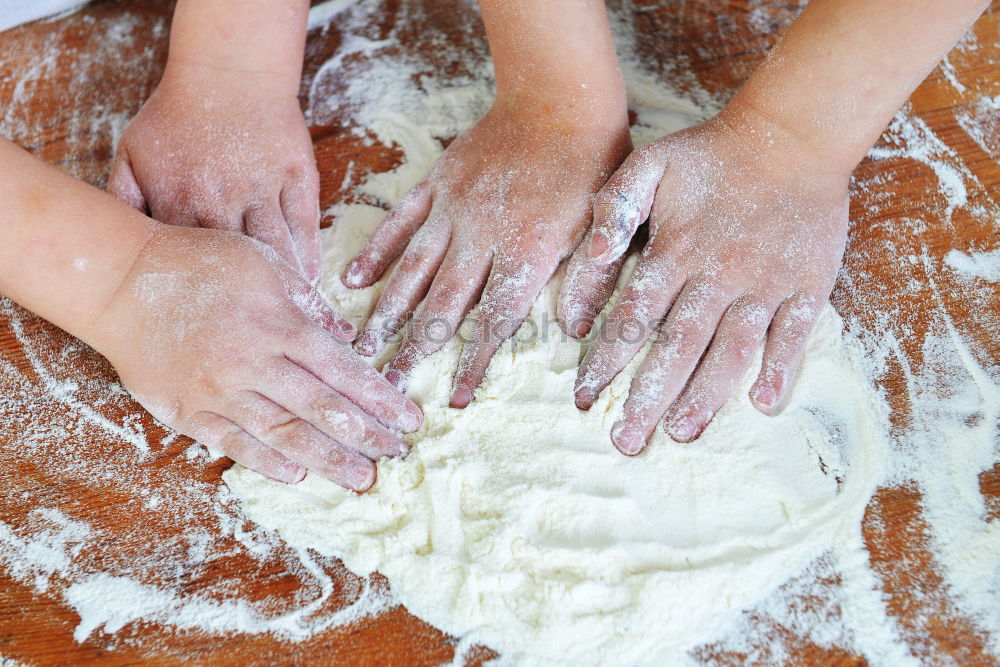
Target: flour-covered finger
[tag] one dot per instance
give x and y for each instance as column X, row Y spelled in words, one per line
column 301, row 442
column 740, row 333
column 455, row 290
column 299, row 202
column 683, row 338
column 344, row 372
column 299, row 392
column 510, row 292
column 406, row 287
column 658, row 382
column 637, row 313
column 312, row 303
column 585, row 290
column 265, row 222
column 222, row 435
column 624, row 203
column 390, row 238
column 786, row 342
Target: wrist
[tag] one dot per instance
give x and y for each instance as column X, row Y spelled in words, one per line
column 95, row 329
column 563, row 106
column 216, row 77
column 770, row 133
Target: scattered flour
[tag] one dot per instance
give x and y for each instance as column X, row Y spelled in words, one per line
column 984, row 265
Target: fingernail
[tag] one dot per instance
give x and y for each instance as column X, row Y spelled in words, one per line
column 291, row 473
column 395, row 378
column 765, row 397
column 365, row 345
column 346, row 329
column 361, row 476
column 461, row 398
column 410, row 420
column 627, row 440
column 683, row 429
column 598, row 246
column 584, row 398
column 352, row 276
column 582, row 329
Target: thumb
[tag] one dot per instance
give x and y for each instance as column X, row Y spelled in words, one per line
column 625, row 201
column 585, row 290
column 122, row 184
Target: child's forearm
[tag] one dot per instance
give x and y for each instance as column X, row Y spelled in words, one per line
column 257, row 37
column 64, row 245
column 556, row 57
column 845, row 66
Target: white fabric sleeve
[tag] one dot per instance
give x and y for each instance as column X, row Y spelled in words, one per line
column 16, row 12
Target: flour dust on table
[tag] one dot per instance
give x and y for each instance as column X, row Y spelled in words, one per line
column 515, row 523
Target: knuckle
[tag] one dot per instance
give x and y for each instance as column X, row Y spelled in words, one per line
column 679, row 338
column 285, row 428
column 413, row 259
column 646, row 152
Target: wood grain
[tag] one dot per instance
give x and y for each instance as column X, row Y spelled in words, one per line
column 67, row 111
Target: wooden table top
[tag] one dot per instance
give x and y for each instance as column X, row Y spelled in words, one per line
column 75, row 450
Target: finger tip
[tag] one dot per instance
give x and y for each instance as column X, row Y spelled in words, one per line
column 396, row 379
column 345, row 331
column 363, row 477
column 461, row 398
column 291, row 473
column 584, row 399
column 683, row 430
column 598, row 246
column 627, row 439
column 364, row 345
column 411, row 419
column 581, row 329
column 764, row 398
column 353, row 277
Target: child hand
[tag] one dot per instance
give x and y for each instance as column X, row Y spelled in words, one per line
column 505, row 204
column 220, row 150
column 746, row 236
column 218, row 338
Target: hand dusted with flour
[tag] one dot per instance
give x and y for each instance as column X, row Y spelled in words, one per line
column 748, row 215
column 509, row 200
column 289, row 398
column 744, row 239
column 222, row 142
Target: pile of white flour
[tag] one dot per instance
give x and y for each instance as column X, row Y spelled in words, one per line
column 515, row 523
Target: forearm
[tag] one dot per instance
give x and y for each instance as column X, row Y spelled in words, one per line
column 64, row 245
column 846, row 66
column 556, row 56
column 253, row 37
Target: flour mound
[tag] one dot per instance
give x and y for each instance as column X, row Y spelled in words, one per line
column 515, row 523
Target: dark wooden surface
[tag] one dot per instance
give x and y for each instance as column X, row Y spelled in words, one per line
column 92, row 78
